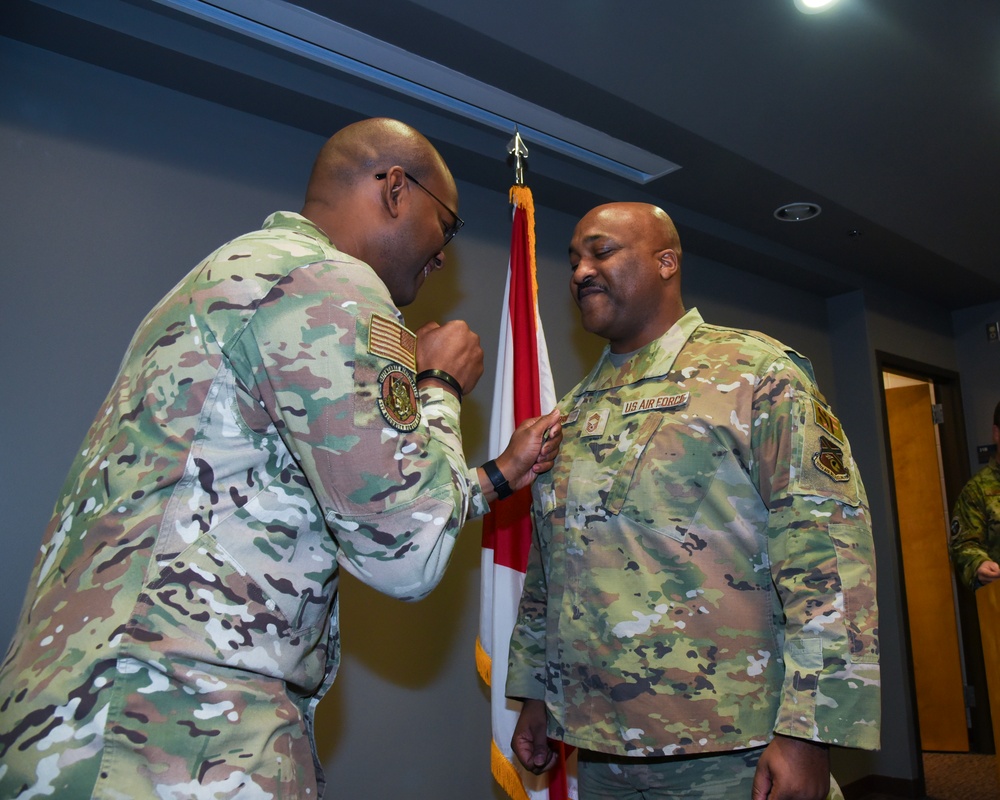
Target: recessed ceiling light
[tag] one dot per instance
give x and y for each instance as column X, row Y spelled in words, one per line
column 815, row 6
column 797, row 212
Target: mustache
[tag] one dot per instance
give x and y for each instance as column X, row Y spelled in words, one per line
column 590, row 282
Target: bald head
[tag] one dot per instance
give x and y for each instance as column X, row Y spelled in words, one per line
column 355, row 153
column 647, row 221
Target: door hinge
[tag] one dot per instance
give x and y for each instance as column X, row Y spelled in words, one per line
column 970, row 695
column 937, row 413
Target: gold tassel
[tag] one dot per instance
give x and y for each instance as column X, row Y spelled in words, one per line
column 483, row 663
column 506, row 775
column 521, row 196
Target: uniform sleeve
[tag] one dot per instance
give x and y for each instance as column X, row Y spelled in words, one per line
column 822, row 562
column 335, row 372
column 967, row 542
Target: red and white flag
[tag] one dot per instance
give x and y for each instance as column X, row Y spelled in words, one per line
column 523, row 389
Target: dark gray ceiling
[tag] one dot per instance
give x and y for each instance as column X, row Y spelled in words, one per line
column 884, row 112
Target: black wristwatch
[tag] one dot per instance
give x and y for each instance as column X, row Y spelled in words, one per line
column 497, row 479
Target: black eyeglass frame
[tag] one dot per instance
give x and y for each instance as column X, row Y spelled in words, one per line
column 452, row 231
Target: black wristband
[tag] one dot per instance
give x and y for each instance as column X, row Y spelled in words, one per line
column 497, row 479
column 443, row 376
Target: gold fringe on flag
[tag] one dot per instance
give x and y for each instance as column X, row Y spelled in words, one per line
column 483, row 663
column 506, row 775
column 521, row 196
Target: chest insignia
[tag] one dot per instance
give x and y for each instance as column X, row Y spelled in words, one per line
column 595, row 423
column 664, row 402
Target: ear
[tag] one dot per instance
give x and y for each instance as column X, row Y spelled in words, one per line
column 393, row 195
column 669, row 265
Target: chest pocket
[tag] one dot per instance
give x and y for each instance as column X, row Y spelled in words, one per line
column 668, row 481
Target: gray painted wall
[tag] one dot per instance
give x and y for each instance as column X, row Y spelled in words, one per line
column 112, row 188
column 979, row 363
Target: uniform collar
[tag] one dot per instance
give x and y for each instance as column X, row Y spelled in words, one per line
column 289, row 220
column 654, row 360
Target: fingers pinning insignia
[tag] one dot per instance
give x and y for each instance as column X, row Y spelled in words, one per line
column 397, row 399
column 830, row 460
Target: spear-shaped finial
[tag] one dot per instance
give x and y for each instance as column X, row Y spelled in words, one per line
column 519, row 151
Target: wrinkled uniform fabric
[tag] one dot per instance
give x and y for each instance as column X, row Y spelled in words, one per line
column 702, row 573
column 181, row 622
column 975, row 524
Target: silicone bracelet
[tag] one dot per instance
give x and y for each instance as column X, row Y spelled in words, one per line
column 443, row 376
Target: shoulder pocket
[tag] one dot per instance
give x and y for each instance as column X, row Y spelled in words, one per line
column 822, row 461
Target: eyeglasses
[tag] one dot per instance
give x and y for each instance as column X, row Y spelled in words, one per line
column 452, row 230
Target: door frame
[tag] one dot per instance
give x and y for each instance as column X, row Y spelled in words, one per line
column 955, row 469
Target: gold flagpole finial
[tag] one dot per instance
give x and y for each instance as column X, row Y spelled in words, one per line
column 519, row 151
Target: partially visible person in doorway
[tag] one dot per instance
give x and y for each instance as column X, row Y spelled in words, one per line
column 975, row 522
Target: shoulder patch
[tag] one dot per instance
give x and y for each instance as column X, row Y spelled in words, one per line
column 388, row 339
column 825, row 419
column 830, row 459
column 397, row 399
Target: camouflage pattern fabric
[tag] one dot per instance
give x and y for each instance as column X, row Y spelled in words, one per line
column 702, row 575
column 975, row 524
column 720, row 776
column 181, row 622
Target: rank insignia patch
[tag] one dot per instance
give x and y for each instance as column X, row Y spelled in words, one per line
column 595, row 423
column 830, row 459
column 397, row 401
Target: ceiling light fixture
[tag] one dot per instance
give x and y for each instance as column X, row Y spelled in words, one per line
column 815, row 6
column 797, row 212
column 325, row 41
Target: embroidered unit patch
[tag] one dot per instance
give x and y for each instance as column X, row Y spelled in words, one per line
column 397, row 401
column 830, row 459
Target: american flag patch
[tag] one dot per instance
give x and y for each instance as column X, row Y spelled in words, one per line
column 389, row 339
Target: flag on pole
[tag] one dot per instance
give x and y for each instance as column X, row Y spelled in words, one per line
column 523, row 389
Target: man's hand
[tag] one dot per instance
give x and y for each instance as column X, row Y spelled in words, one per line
column 530, row 742
column 453, row 348
column 532, row 450
column 792, row 769
column 988, row 572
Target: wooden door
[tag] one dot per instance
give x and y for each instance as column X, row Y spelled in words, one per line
column 923, row 529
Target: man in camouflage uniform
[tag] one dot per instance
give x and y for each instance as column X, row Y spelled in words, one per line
column 272, row 421
column 701, row 581
column 975, row 523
